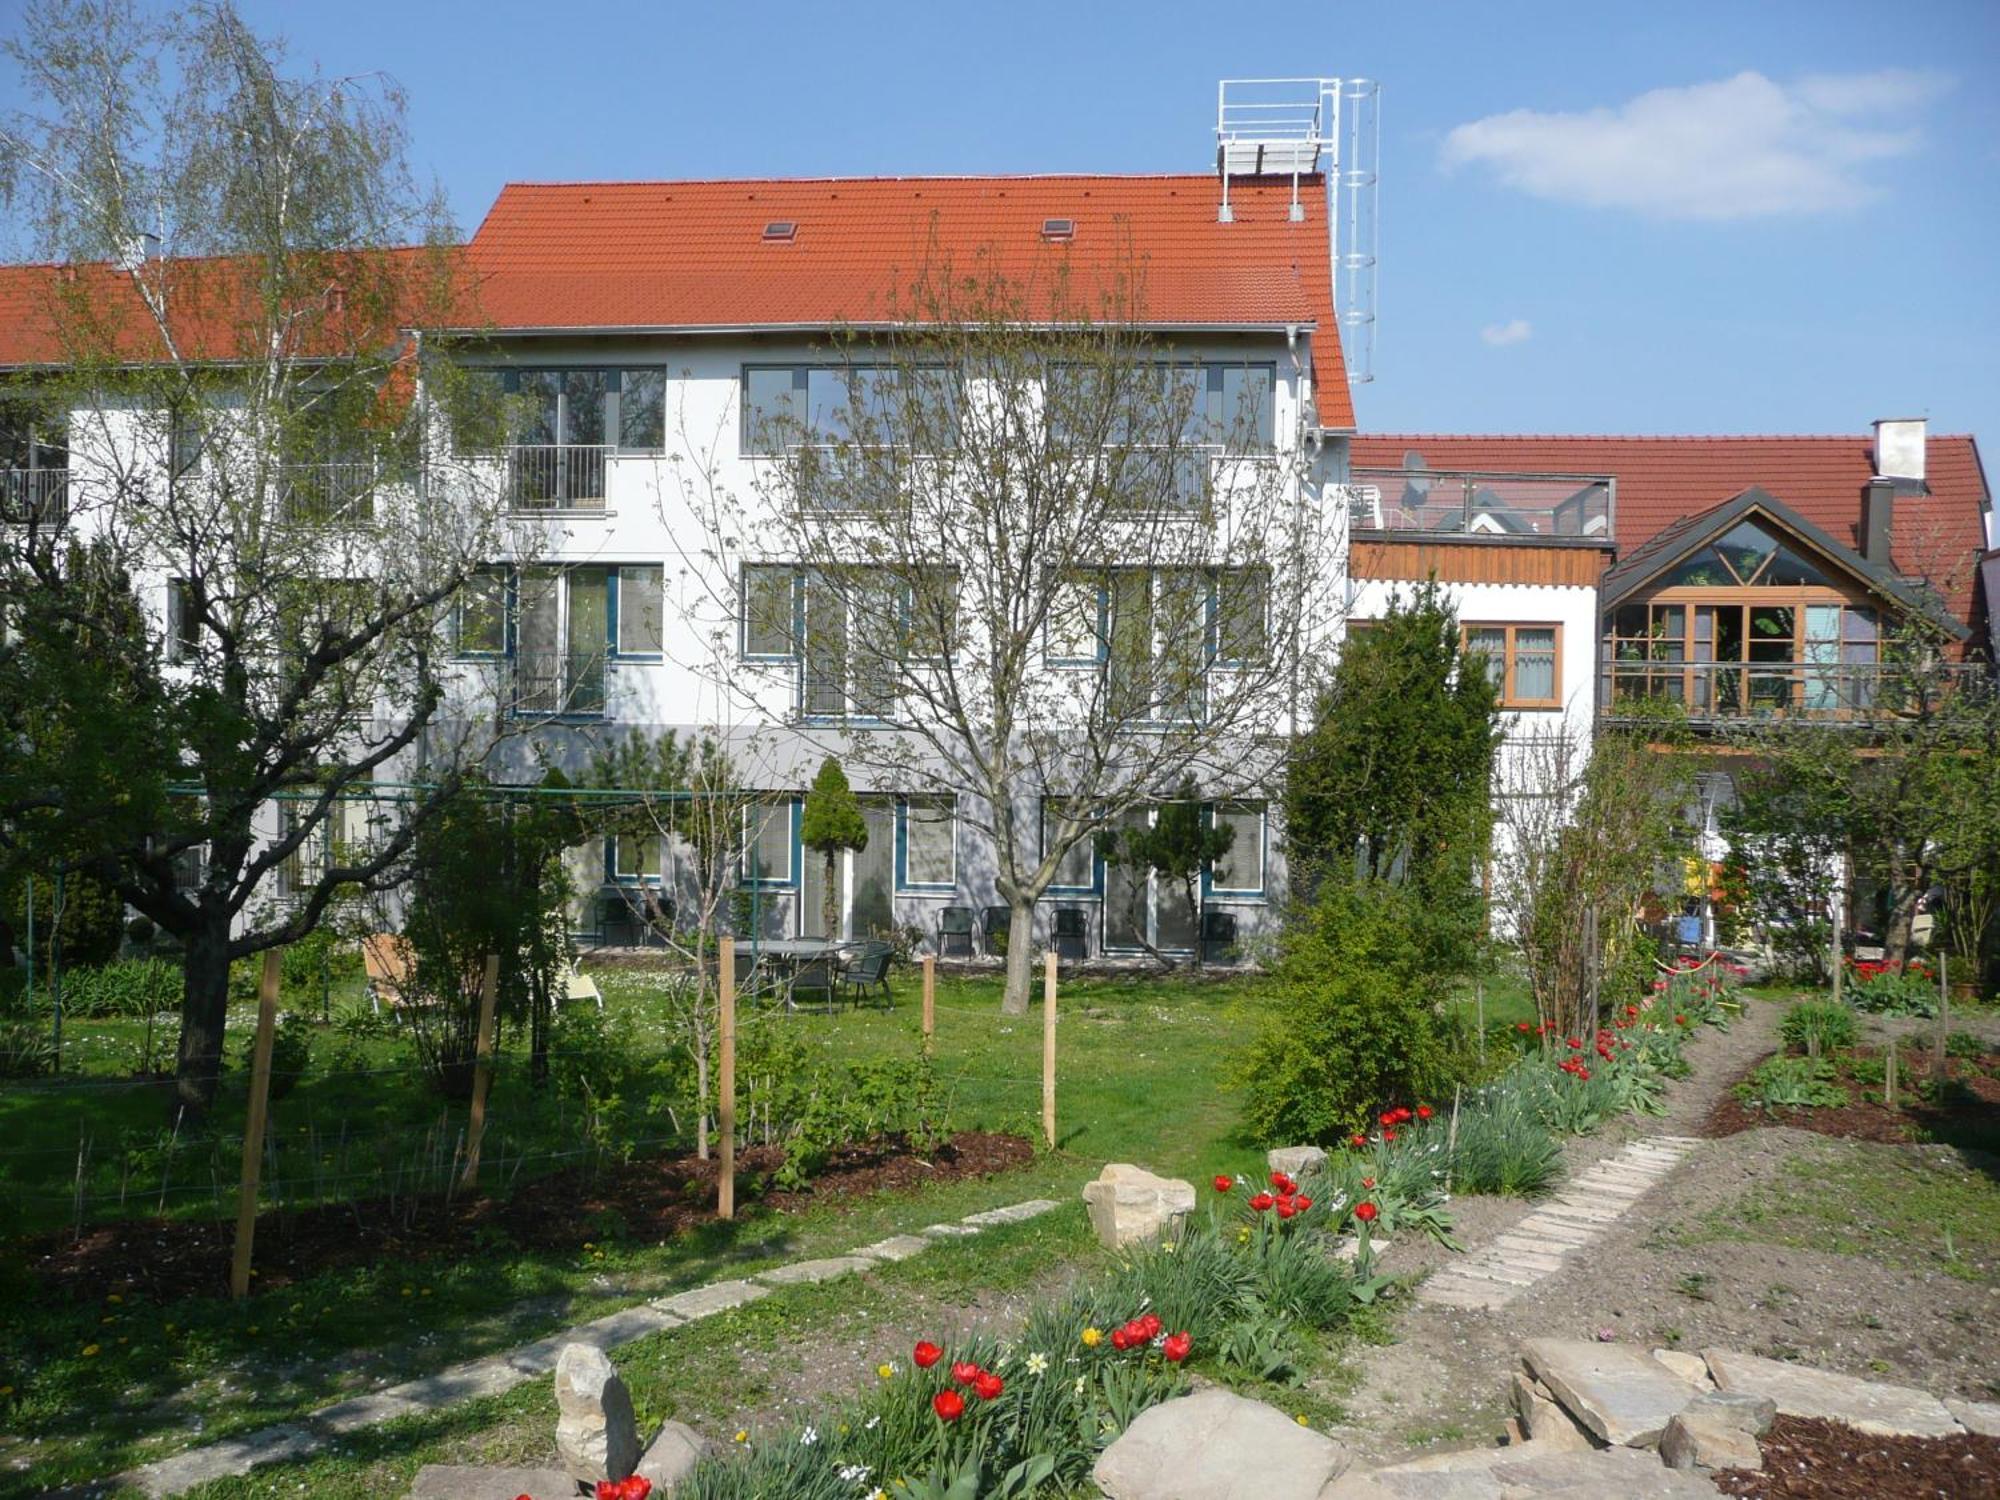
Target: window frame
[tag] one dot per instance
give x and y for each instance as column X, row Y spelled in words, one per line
column 182, row 638
column 802, row 372
column 1088, row 843
column 615, row 605
column 1237, row 806
column 904, row 807
column 795, row 576
column 615, row 874
column 503, row 579
column 768, row 805
column 1509, row 651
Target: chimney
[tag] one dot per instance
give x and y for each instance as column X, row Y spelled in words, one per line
column 1899, row 449
column 1878, row 505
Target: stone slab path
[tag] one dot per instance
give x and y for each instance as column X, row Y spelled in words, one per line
column 1584, row 1212
column 498, row 1373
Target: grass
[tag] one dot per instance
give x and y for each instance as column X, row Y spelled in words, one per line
column 1141, row 1065
column 1926, row 1209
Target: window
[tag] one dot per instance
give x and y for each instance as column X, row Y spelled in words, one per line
column 481, row 623
column 641, row 609
column 928, row 847
column 183, row 641
column 635, row 856
column 641, row 399
column 767, row 844
column 1241, row 870
column 1073, row 634
column 1729, row 658
column 786, row 406
column 770, row 611
column 559, row 640
column 1077, row 870
column 853, row 644
column 1523, row 661
column 34, row 462
column 186, row 442
column 1242, row 607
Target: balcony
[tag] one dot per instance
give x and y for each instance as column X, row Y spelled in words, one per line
column 559, row 683
column 1573, row 509
column 1722, row 693
column 329, row 494
column 34, row 496
column 556, row 476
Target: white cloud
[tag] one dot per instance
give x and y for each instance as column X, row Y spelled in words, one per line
column 1740, row 148
column 1513, row 331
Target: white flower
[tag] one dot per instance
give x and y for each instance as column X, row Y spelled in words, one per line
column 855, row 1473
column 1079, row 1385
column 1038, row 1364
column 871, row 1424
column 809, row 1437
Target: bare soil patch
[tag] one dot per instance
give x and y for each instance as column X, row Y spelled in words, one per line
column 654, row 1199
column 1806, row 1459
column 1968, row 1112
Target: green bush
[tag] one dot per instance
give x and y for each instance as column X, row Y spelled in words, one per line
column 93, row 921
column 132, row 988
column 1357, row 1021
column 1826, row 1022
column 1792, row 1083
column 27, row 1050
column 291, row 1052
column 1964, row 1045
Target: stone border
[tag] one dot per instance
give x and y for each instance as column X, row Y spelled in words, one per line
column 498, row 1373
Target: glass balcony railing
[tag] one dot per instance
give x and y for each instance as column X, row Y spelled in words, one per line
column 1462, row 503
column 1719, row 692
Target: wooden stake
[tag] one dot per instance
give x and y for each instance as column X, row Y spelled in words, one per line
column 725, row 1180
column 253, row 1125
column 1048, row 1047
column 1889, row 1075
column 482, row 1070
column 1940, row 1053
column 930, row 999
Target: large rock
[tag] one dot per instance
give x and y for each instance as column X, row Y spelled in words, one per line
column 1295, row 1161
column 671, row 1456
column 1130, row 1206
column 1702, row 1440
column 1885, row 1410
column 1216, row 1445
column 478, row 1482
column 597, row 1436
column 1690, row 1367
column 1982, row 1417
column 1542, row 1419
column 1620, row 1394
column 1532, row 1471
column 1740, row 1409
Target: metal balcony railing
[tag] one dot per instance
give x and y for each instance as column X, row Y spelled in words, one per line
column 556, row 476
column 556, row 682
column 1464, row 503
column 1723, row 692
column 40, row 496
column 329, row 494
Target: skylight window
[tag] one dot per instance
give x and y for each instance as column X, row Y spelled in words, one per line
column 1058, row 229
column 781, row 229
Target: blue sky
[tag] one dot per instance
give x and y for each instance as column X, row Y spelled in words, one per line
column 1591, row 218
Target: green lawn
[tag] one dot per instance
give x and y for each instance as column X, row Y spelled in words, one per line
column 96, row 1386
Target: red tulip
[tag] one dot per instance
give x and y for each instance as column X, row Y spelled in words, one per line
column 949, row 1406
column 1124, row 1337
column 1523, row 1027
column 1357, row 1141
column 1389, row 1117
column 1283, row 1183
column 1302, row 1203
column 1423, row 1111
column 1368, row 1182
column 1389, row 1135
column 610, row 1489
column 1262, row 1202
column 964, row 1372
column 1178, row 1346
column 926, row 1354
column 1224, row 1184
column 635, row 1487
column 988, row 1385
column 1148, row 1326
column 1680, row 1020
column 1366, row 1212
column 1286, row 1208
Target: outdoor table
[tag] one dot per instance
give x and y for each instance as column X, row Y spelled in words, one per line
column 782, row 959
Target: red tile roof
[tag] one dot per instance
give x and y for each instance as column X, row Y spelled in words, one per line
column 693, row 254
column 1937, row 537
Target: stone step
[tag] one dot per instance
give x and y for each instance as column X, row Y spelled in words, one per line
column 1527, row 1244
column 1581, row 1209
column 1557, row 1229
column 1456, row 1292
column 1488, row 1270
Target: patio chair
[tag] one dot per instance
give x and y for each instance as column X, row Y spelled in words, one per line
column 578, row 985
column 994, row 925
column 617, row 923
column 955, row 930
column 868, row 971
column 1069, row 934
column 1218, row 936
column 816, row 974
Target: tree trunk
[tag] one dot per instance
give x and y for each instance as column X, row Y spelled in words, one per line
column 1020, row 959
column 204, row 1010
column 829, row 901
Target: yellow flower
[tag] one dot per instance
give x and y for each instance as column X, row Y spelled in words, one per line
column 1092, row 1337
column 6, row 1390
column 1301, row 1420
column 742, row 1435
column 426, row 1292
column 90, row 1351
column 169, row 1328
column 408, row 1290
column 886, row 1371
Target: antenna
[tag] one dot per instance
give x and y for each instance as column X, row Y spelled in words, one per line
column 1280, row 127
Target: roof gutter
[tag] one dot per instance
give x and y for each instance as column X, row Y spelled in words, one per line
column 711, row 330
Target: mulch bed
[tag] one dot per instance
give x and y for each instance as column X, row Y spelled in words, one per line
column 1866, row 1118
column 1807, row 1459
column 650, row 1200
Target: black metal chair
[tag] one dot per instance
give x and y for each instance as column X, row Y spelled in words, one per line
column 995, row 923
column 617, row 923
column 869, row 971
column 1070, row 934
column 955, row 930
column 1218, row 936
column 816, row 974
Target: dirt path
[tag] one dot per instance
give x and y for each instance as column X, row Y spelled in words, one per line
column 1443, row 1381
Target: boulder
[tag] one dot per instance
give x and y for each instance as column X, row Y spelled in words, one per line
column 1542, row 1419
column 1533, row 1471
column 1295, row 1161
column 1216, row 1445
column 1800, row 1391
column 1130, row 1206
column 672, row 1455
column 479, row 1482
column 1753, row 1414
column 597, row 1436
column 1620, row 1394
column 1690, row 1367
column 1982, row 1417
column 1705, row 1440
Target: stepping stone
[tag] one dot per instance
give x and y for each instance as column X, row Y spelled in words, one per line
column 800, row 1272
column 1552, row 1251
column 1623, row 1395
column 1531, row 1261
column 478, row 1482
column 1538, row 1469
column 1486, row 1270
column 949, row 1231
column 1556, row 1229
column 466, row 1382
column 1470, row 1297
column 1885, row 1410
column 607, row 1332
column 223, row 1460
column 1217, row 1445
column 1982, row 1417
column 1582, row 1210
column 1014, row 1213
column 896, row 1247
column 706, row 1301
column 364, row 1411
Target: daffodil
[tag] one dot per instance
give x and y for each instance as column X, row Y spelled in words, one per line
column 1092, row 1337
column 1038, row 1364
column 742, row 1436
column 886, row 1370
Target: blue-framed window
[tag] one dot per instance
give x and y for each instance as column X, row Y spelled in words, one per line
column 927, row 844
column 479, row 617
column 637, row 607
column 1242, row 871
column 771, row 854
column 771, row 616
column 1081, row 872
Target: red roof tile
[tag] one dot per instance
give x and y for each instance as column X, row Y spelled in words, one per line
column 1937, row 537
column 693, row 254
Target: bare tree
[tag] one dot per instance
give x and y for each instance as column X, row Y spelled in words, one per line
column 256, row 519
column 1029, row 559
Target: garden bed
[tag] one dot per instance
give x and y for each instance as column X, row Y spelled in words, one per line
column 1972, row 1109
column 1807, row 1459
column 650, row 1200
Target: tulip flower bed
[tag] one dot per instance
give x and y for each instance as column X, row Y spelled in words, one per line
column 1885, row 987
column 983, row 1418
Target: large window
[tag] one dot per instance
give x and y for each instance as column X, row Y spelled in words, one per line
column 570, row 420
column 560, row 640
column 927, row 844
column 769, row 834
column 1157, row 631
column 183, row 639
column 1241, row 870
column 786, row 406
column 641, row 609
column 850, row 630
column 34, row 462
column 1076, row 872
column 1524, row 662
column 1746, row 655
column 481, row 623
